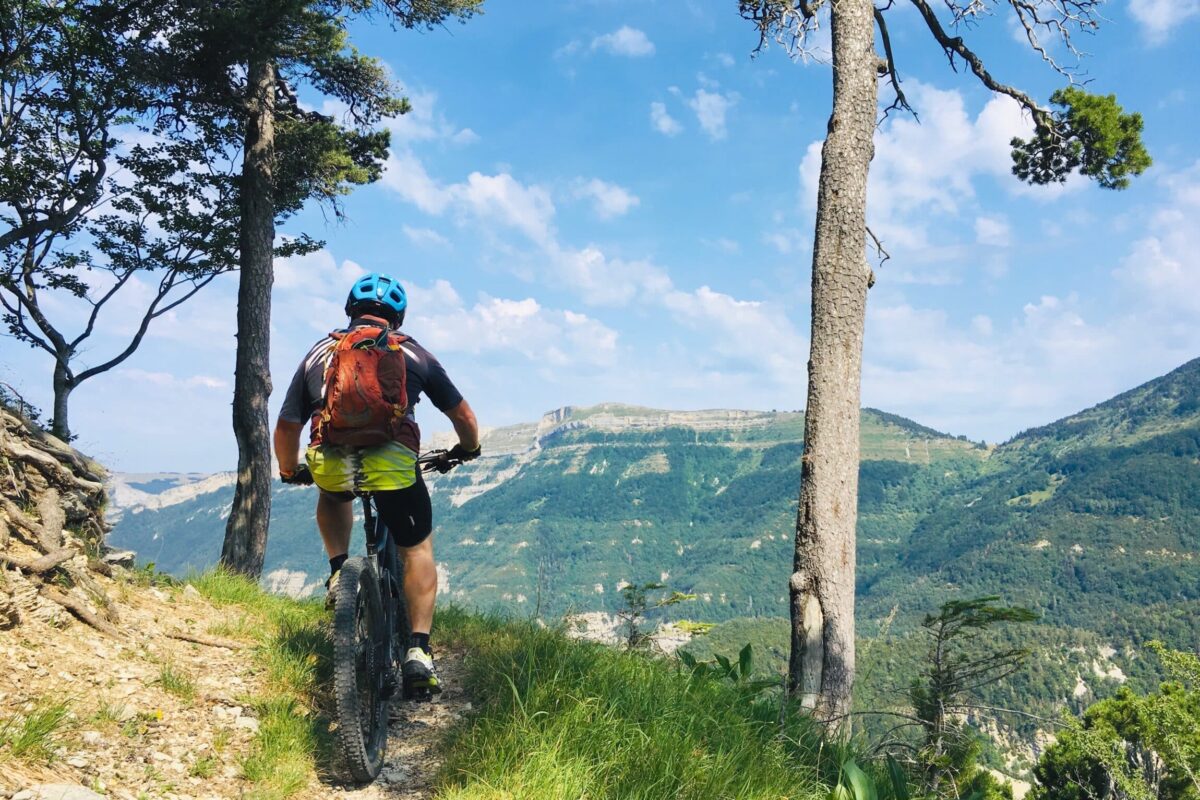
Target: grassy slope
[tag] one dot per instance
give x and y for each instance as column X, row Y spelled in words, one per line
column 554, row 718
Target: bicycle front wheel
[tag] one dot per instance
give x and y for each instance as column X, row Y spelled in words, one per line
column 359, row 669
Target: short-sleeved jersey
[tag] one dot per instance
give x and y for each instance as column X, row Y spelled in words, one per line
column 425, row 375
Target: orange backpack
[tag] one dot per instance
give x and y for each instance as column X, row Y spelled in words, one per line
column 366, row 394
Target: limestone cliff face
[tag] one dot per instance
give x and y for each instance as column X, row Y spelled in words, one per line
column 506, row 450
column 125, row 494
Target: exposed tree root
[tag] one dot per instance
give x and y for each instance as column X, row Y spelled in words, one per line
column 52, row 503
column 207, row 641
column 78, row 609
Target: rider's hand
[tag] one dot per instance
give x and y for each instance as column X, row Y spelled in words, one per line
column 460, row 453
column 300, row 476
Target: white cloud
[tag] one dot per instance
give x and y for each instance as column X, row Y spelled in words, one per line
column 599, row 280
column 1162, row 271
column 424, row 237
column 405, row 174
column 502, row 197
column 423, row 122
column 993, row 231
column 525, row 328
column 608, row 199
column 736, row 331
column 569, row 49
column 724, row 59
column 498, row 198
column 625, row 41
column 724, row 244
column 993, row 374
column 711, row 109
column 910, row 192
column 1159, row 18
column 663, row 122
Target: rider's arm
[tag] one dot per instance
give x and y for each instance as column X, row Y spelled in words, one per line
column 465, row 425
column 287, row 445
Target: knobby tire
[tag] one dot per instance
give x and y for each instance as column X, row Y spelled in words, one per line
column 358, row 642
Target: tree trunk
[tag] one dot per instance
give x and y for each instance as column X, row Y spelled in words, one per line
column 60, row 426
column 821, row 670
column 246, row 531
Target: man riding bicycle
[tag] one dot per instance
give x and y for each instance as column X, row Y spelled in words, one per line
column 334, row 392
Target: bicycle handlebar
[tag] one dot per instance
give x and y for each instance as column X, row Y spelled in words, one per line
column 441, row 460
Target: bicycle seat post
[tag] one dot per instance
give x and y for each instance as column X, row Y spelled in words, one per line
column 369, row 523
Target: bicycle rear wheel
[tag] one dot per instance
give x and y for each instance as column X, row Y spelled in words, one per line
column 359, row 656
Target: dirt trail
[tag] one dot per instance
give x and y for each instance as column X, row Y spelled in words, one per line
column 414, row 737
column 128, row 737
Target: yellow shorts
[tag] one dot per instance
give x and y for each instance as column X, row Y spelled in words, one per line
column 384, row 468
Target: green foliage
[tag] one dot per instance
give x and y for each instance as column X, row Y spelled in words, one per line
column 73, row 100
column 1103, row 559
column 32, row 735
column 1091, row 133
column 1135, row 746
column 639, row 602
column 739, row 672
column 956, row 669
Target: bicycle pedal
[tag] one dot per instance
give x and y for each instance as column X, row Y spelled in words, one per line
column 420, row 694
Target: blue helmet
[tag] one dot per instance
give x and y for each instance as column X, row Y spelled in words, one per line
column 379, row 293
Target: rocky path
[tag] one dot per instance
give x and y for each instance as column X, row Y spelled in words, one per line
column 130, row 733
column 414, row 737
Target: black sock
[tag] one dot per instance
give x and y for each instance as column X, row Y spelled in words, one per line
column 336, row 562
column 420, row 640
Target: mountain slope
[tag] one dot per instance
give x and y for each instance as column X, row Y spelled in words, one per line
column 567, row 509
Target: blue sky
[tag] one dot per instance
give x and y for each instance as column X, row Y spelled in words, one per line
column 613, row 200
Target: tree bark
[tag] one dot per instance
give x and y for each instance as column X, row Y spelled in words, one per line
column 63, row 386
column 821, row 669
column 246, row 531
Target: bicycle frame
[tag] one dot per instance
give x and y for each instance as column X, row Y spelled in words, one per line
column 384, row 560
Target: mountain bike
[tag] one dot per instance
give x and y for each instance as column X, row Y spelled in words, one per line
column 370, row 633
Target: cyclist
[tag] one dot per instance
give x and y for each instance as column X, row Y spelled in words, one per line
column 388, row 470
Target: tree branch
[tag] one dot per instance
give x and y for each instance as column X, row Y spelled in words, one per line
column 901, row 102
column 954, row 45
column 151, row 314
column 91, row 323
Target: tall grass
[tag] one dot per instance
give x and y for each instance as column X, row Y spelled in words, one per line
column 565, row 719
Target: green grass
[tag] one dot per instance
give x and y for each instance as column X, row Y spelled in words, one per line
column 177, row 682
column 204, row 767
column 553, row 717
column 559, row 718
column 293, row 652
column 34, row 734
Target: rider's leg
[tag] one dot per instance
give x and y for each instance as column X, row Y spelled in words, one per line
column 335, row 519
column 409, row 516
column 420, row 584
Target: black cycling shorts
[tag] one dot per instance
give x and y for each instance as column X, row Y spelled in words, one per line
column 407, row 513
